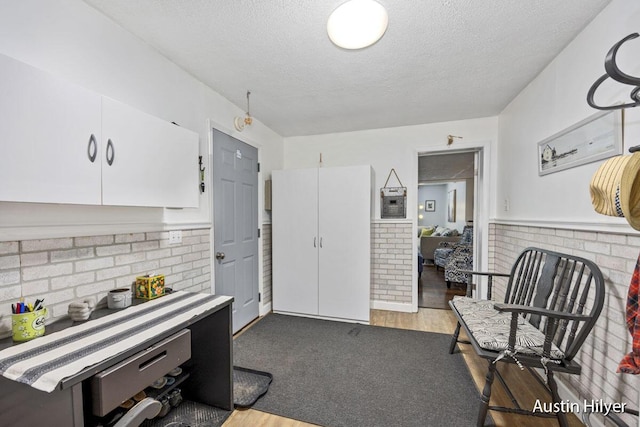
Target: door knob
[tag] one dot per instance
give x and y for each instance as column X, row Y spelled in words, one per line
column 219, row 255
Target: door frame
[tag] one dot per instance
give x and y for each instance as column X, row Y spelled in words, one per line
column 482, row 186
column 213, row 124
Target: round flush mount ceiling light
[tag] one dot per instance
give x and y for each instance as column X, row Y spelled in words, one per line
column 357, row 24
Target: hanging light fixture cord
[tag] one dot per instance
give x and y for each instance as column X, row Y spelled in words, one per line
column 248, row 119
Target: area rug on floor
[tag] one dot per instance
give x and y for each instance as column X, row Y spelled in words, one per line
column 343, row 374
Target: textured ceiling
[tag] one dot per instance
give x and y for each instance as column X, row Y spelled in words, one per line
column 439, row 60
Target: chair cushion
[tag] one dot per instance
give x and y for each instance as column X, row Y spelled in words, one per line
column 490, row 328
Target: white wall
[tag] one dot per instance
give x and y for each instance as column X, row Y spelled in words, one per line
column 554, row 211
column 389, row 148
column 71, row 40
column 555, row 100
column 437, row 192
column 440, row 193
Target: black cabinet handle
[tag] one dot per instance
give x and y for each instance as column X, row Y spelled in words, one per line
column 92, row 148
column 113, row 152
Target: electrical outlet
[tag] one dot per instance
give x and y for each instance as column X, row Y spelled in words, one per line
column 175, row 237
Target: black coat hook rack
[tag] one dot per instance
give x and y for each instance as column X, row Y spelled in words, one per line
column 613, row 71
column 616, row 74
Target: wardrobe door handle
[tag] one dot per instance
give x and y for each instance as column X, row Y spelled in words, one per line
column 92, row 148
column 321, row 242
column 113, row 153
column 314, row 242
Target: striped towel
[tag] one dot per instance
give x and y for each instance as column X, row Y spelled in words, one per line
column 43, row 362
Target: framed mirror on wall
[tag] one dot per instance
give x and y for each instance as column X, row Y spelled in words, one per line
column 451, row 208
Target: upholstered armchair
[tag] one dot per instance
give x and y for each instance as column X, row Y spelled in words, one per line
column 460, row 259
column 463, row 251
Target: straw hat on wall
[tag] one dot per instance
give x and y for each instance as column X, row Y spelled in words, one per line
column 615, row 188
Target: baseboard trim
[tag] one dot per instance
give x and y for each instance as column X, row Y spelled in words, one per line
column 265, row 309
column 312, row 316
column 393, row 306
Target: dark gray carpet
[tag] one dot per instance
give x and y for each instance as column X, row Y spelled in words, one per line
column 342, row 374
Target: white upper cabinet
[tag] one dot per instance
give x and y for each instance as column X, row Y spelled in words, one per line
column 49, row 138
column 60, row 143
column 147, row 161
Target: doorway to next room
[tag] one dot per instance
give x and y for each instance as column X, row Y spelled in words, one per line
column 447, row 190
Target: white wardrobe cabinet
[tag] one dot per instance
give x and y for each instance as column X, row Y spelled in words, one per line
column 321, row 227
column 60, row 143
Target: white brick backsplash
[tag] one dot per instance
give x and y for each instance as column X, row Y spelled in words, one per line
column 36, row 258
column 37, row 288
column 94, row 264
column 94, row 240
column 9, row 248
column 109, row 273
column 68, row 269
column 145, row 246
column 160, row 253
column 130, row 258
column 200, row 247
column 113, row 250
column 98, row 289
column 146, row 267
column 391, row 260
column 159, row 235
column 73, row 280
column 129, row 238
column 181, row 267
column 9, row 277
column 166, row 262
column 72, row 254
column 193, row 256
column 9, row 262
column 616, row 255
column 45, row 245
column 9, row 294
column 49, row 270
column 180, row 250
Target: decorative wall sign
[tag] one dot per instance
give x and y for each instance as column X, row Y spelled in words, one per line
column 430, row 205
column 597, row 137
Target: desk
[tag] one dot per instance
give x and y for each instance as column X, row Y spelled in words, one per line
column 210, row 382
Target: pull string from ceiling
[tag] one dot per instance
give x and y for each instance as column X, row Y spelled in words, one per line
column 240, row 122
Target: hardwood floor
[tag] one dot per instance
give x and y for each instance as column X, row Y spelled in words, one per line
column 433, row 291
column 525, row 388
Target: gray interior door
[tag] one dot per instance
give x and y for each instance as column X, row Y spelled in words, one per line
column 235, row 225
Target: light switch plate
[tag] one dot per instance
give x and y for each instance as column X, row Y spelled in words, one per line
column 175, row 237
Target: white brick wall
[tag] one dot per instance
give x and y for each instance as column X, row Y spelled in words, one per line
column 616, row 255
column 391, row 261
column 69, row 269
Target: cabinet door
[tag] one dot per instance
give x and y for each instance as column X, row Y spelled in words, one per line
column 295, row 240
column 345, row 230
column 146, row 161
column 46, row 145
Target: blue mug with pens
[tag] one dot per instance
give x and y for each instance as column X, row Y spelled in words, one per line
column 27, row 320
